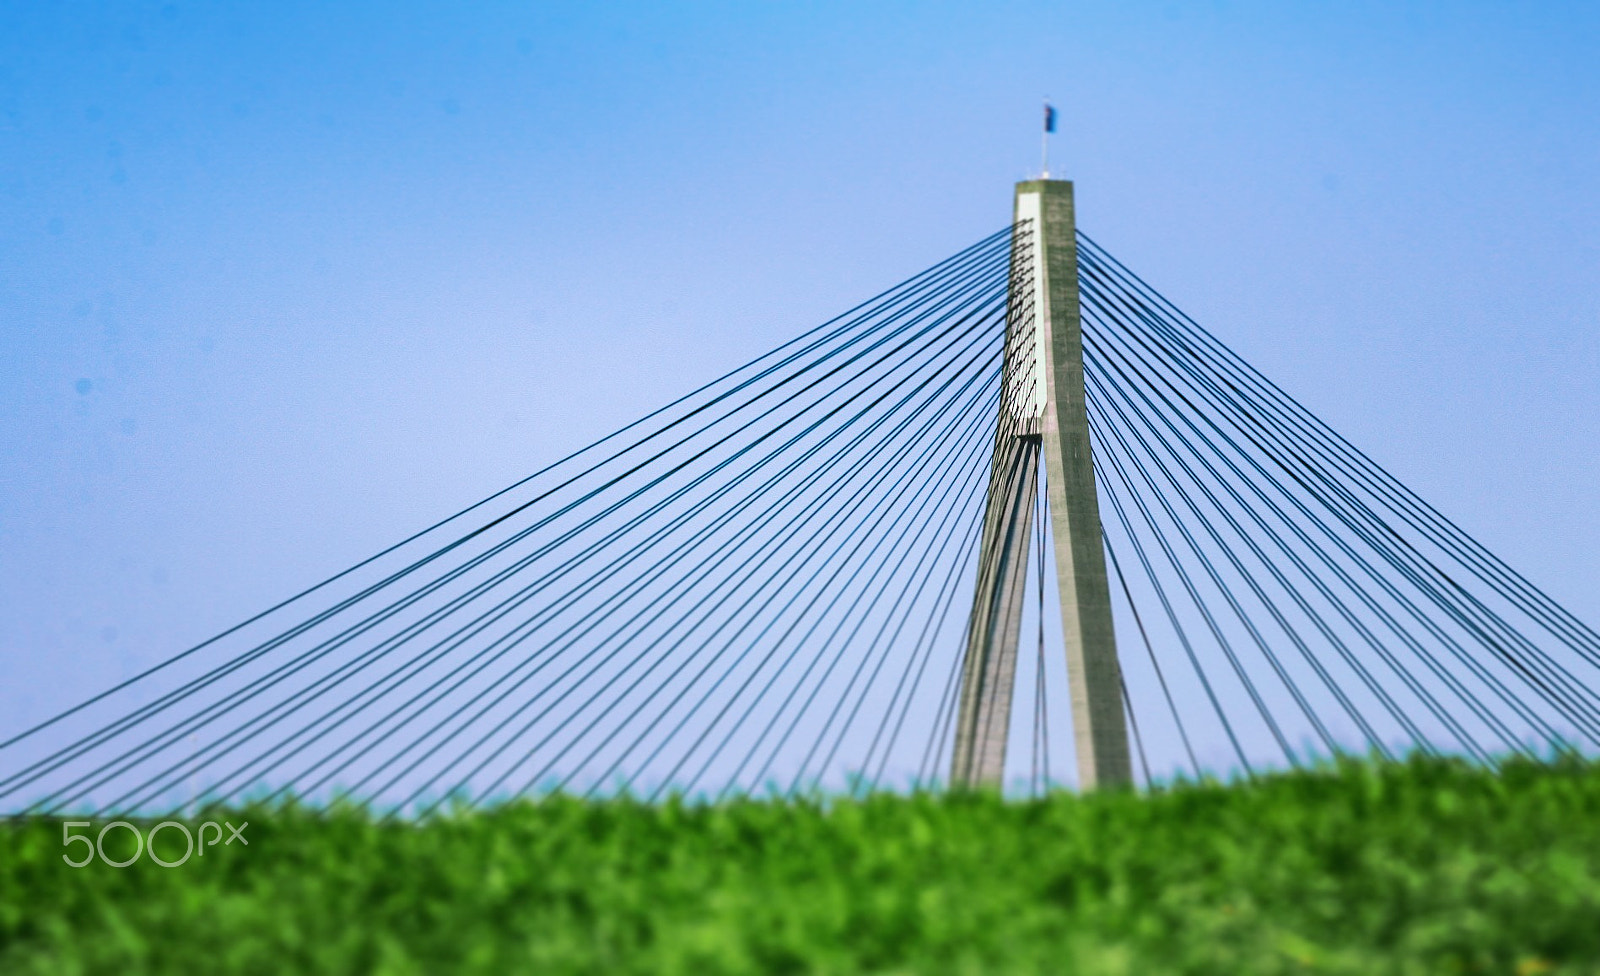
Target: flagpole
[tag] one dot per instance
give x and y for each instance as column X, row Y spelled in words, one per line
column 1044, row 140
column 1045, row 154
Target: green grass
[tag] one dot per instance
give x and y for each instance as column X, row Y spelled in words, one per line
column 1427, row 867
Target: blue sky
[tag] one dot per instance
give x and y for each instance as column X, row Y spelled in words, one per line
column 280, row 283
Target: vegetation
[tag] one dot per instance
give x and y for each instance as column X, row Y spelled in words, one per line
column 1426, row 867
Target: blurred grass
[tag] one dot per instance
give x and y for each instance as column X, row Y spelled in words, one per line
column 1429, row 866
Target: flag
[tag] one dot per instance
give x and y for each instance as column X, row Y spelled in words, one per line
column 1049, row 118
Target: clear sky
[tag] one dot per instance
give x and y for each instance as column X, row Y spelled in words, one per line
column 282, row 282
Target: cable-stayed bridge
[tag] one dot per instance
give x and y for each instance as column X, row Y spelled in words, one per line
column 1017, row 520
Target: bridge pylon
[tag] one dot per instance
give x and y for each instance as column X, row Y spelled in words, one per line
column 1042, row 411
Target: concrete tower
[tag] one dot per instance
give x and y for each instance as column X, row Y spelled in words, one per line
column 1042, row 410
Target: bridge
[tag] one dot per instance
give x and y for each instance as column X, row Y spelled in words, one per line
column 1017, row 521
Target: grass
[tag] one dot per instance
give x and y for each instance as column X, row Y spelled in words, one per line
column 1424, row 867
